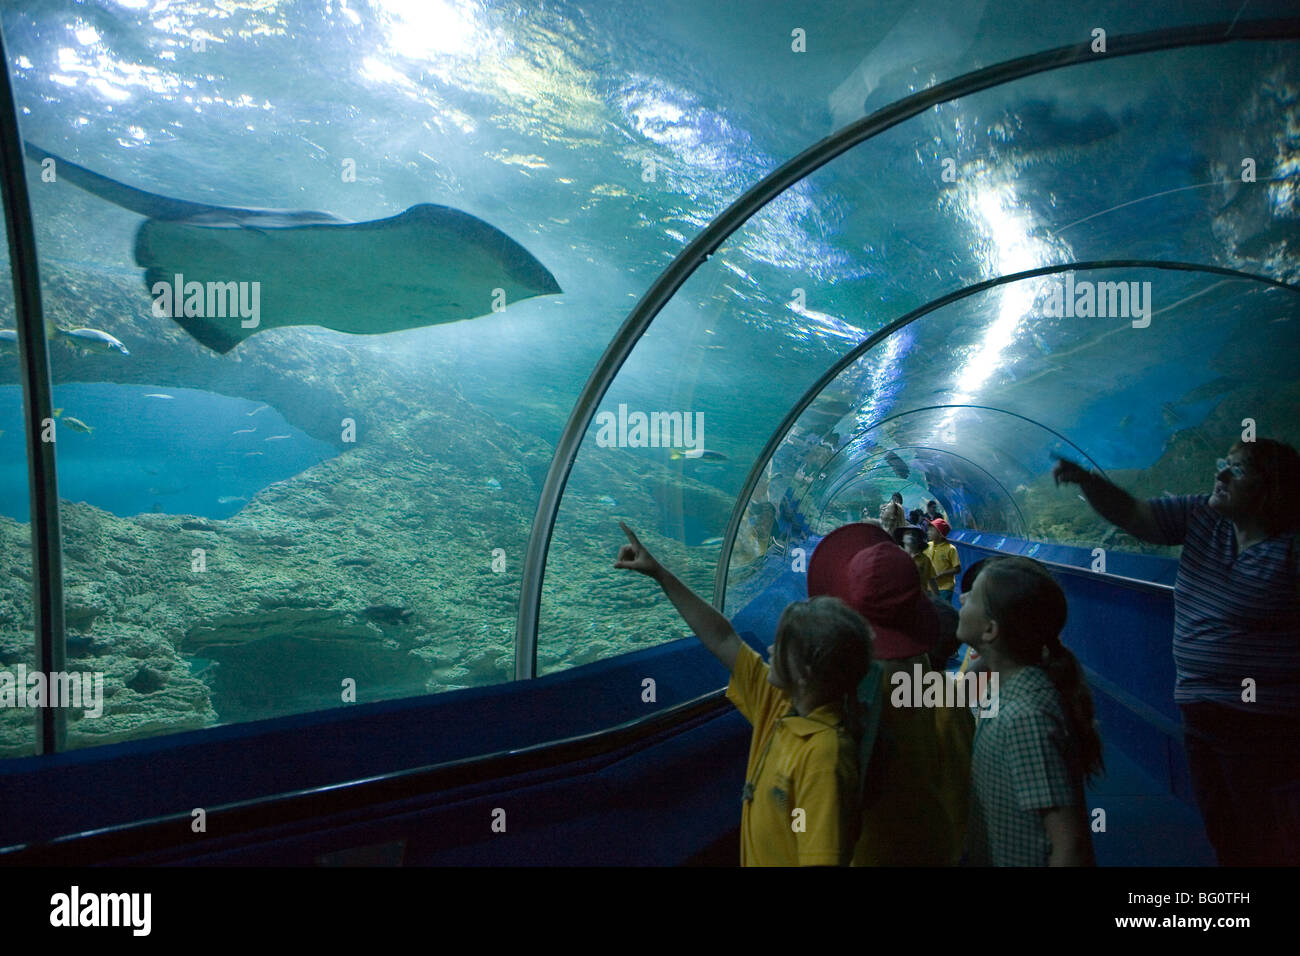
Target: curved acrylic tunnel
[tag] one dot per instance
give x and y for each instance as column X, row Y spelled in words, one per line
column 1044, row 274
column 1080, row 252
column 986, row 457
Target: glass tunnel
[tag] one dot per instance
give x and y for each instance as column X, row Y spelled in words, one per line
column 731, row 281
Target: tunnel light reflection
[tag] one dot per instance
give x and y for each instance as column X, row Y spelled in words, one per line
column 422, row 28
column 1010, row 248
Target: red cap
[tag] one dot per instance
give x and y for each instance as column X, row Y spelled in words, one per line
column 941, row 526
column 862, row 566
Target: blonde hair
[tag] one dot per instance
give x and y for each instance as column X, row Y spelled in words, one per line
column 829, row 644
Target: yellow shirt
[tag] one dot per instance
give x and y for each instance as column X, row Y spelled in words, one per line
column 795, row 764
column 919, row 818
column 925, row 569
column 943, row 555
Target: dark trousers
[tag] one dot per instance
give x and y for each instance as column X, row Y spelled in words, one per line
column 1245, row 770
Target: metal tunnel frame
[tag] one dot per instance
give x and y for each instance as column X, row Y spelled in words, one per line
column 698, row 251
column 769, row 449
column 34, row 372
column 821, row 383
column 850, row 476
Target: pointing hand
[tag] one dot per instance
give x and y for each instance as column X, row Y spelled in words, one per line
column 634, row 555
column 1069, row 472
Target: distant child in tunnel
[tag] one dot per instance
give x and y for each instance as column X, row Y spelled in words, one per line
column 943, row 557
column 913, row 545
column 800, row 805
column 891, row 514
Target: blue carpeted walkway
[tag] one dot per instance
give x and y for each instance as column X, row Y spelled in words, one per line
column 1146, row 825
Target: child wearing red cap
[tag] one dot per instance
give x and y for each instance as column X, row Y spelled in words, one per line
column 801, row 804
column 918, row 817
column 943, row 556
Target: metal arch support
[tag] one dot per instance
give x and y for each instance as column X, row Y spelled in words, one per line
column 868, row 429
column 774, row 442
column 755, row 198
column 34, row 370
column 848, row 478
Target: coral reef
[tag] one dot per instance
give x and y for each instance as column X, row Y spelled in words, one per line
column 376, row 565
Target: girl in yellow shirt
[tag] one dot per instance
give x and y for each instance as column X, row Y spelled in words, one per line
column 800, row 805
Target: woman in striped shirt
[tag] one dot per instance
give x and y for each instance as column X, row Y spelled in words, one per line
column 1236, row 640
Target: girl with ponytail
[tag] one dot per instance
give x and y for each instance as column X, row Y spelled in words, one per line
column 1031, row 759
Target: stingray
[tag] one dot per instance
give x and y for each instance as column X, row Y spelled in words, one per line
column 425, row 266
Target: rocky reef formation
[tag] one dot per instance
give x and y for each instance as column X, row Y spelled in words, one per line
column 395, row 564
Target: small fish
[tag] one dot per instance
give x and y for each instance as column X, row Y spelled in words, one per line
column 250, row 454
column 493, row 484
column 607, row 501
column 229, row 499
column 277, row 438
column 168, row 490
column 1041, row 343
column 159, row 395
column 91, row 340
column 259, row 409
column 244, row 431
column 1126, row 421
column 1170, row 415
column 696, row 454
column 9, row 340
column 77, row 425
column 710, row 542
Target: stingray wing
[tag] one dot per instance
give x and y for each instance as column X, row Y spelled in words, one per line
column 426, row 266
column 163, row 207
